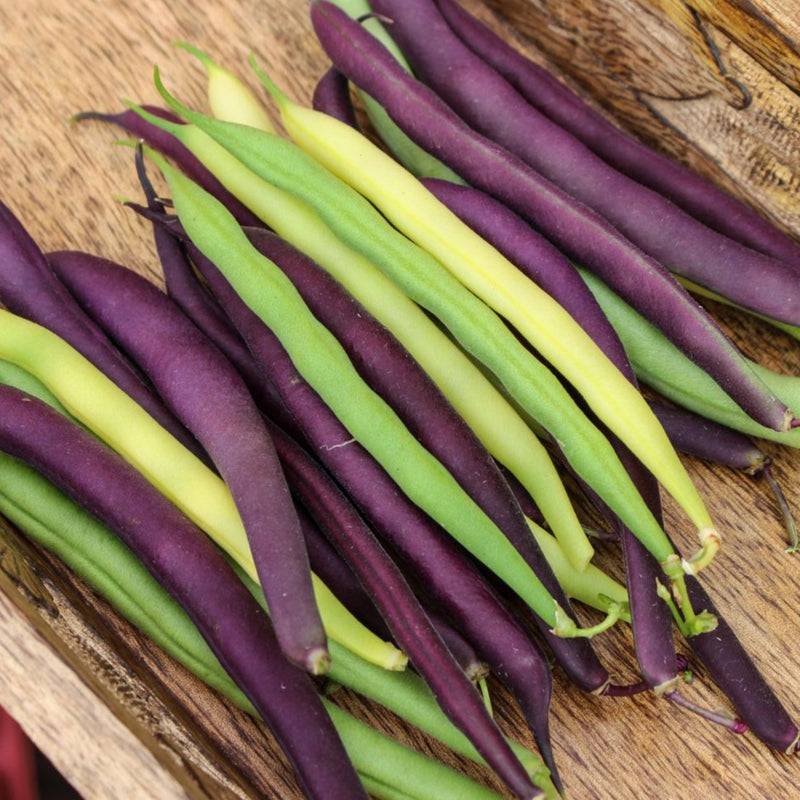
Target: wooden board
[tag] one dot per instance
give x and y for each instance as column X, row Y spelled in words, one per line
column 116, row 715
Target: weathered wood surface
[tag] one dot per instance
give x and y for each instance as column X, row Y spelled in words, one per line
column 112, row 711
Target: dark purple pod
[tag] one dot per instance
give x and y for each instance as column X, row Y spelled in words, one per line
column 205, row 391
column 651, row 620
column 581, row 233
column 706, row 439
column 332, row 97
column 737, row 675
column 186, row 563
column 698, row 196
column 335, row 533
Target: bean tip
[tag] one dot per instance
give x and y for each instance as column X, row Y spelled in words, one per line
column 317, row 661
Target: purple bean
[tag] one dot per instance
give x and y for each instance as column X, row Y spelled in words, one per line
column 180, row 282
column 698, row 196
column 709, row 440
column 207, row 393
column 332, row 97
column 651, row 620
column 30, row 289
column 734, row 671
column 582, row 234
column 336, row 520
column 495, row 109
column 186, row 563
column 329, row 520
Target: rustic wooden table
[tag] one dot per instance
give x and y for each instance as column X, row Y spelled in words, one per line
column 121, row 719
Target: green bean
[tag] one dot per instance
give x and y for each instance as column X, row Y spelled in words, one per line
column 491, row 416
column 321, row 360
column 381, row 760
column 97, row 403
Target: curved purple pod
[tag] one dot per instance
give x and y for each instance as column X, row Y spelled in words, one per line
column 495, row 109
column 331, row 96
column 698, row 196
column 207, row 393
column 737, row 675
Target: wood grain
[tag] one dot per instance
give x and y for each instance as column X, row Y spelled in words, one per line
column 118, row 716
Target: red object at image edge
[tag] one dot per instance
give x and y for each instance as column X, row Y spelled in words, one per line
column 17, row 762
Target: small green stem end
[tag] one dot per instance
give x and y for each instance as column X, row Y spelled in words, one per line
column 567, row 628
